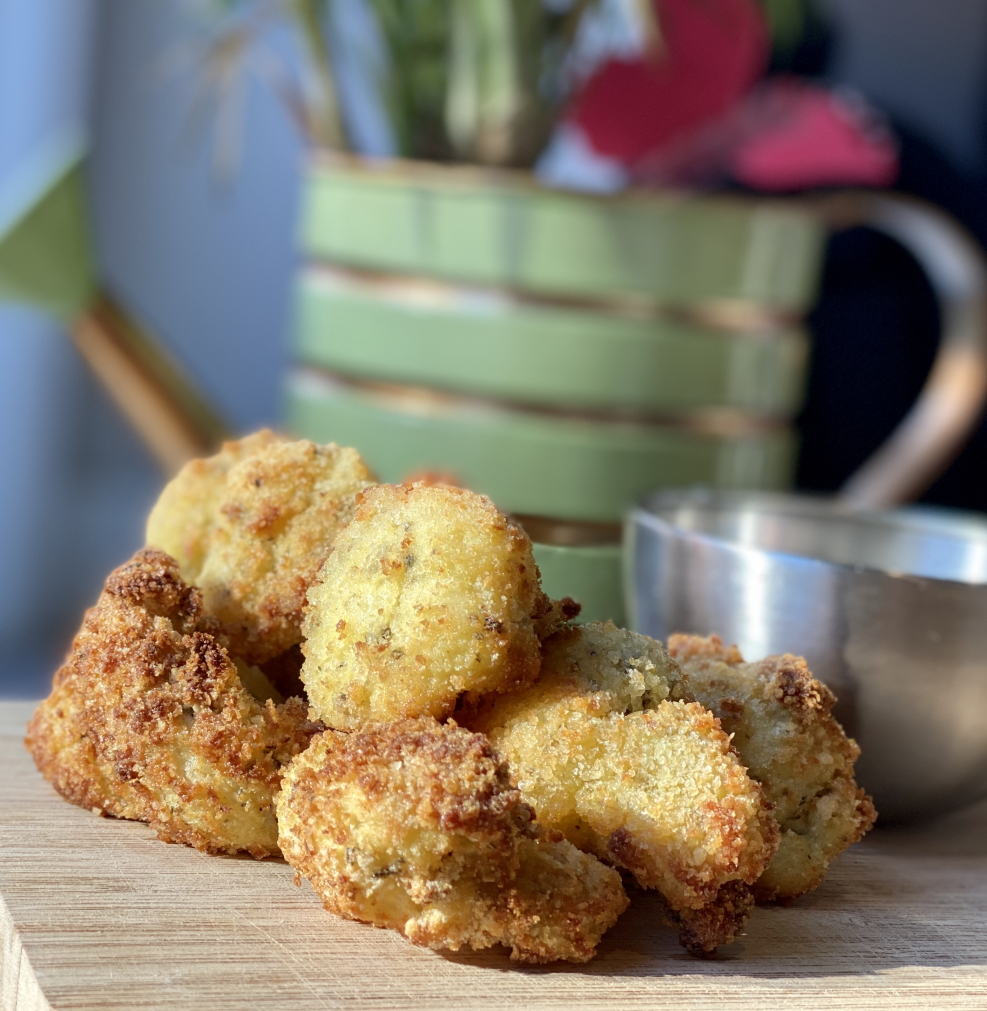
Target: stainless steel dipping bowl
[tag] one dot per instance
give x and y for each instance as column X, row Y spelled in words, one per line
column 889, row 609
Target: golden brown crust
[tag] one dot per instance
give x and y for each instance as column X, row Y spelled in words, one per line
column 689, row 648
column 187, row 511
column 550, row 616
column 415, row 826
column 430, row 592
column 561, row 902
column 782, row 727
column 650, row 785
column 719, row 922
column 251, row 528
column 148, row 719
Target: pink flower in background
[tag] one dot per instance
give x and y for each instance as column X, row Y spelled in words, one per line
column 693, row 114
column 810, row 137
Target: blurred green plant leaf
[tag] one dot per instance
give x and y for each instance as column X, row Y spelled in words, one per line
column 324, row 123
column 787, row 21
column 478, row 80
column 416, row 36
column 229, row 48
column 506, row 69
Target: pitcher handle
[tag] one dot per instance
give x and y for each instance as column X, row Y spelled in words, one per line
column 952, row 399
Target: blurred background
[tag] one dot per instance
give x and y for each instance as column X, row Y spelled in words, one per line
column 194, row 209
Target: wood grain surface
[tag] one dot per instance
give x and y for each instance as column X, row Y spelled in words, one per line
column 98, row 914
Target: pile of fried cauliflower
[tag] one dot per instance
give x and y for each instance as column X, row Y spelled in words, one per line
column 368, row 680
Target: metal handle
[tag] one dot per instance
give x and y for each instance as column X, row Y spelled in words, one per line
column 952, row 399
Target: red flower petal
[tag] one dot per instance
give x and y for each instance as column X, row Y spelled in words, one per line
column 713, row 51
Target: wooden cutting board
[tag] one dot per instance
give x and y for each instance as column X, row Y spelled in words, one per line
column 98, row 914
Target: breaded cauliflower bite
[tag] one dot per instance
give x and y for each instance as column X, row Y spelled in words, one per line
column 649, row 784
column 251, row 528
column 415, row 826
column 429, row 593
column 149, row 719
column 781, row 722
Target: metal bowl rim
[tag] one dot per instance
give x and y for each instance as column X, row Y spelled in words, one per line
column 914, row 519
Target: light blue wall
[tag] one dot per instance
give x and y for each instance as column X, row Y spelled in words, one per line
column 44, row 74
column 205, row 262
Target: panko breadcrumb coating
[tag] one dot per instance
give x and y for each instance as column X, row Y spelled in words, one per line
column 779, row 716
column 148, row 719
column 429, row 593
column 251, row 528
column 187, row 510
column 414, row 826
column 649, row 784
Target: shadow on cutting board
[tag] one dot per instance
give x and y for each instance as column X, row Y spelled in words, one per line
column 921, row 904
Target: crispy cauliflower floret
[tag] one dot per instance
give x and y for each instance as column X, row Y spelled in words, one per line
column 251, row 528
column 429, row 593
column 780, row 719
column 414, row 826
column 649, row 784
column 149, row 719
